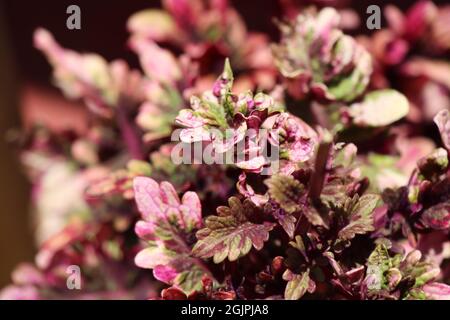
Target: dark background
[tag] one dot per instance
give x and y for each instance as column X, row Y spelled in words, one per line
column 22, row 67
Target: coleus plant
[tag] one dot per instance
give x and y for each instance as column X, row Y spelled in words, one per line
column 205, row 29
column 357, row 206
column 101, row 251
column 414, row 49
column 315, row 55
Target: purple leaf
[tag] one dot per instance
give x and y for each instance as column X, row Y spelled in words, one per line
column 159, row 64
column 437, row 291
column 314, row 55
column 437, row 217
column 230, row 235
column 166, row 221
column 442, row 120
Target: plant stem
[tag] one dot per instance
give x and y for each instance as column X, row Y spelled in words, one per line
column 129, row 135
column 317, row 179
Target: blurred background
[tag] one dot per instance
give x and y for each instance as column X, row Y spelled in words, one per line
column 27, row 96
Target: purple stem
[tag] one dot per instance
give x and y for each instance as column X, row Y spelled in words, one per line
column 320, row 167
column 129, row 135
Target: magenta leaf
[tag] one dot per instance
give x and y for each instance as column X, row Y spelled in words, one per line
column 437, row 217
column 315, row 56
column 437, row 291
column 166, row 224
column 442, row 120
column 159, row 64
